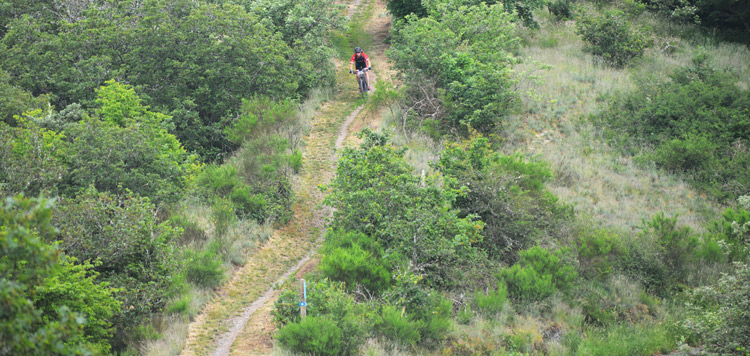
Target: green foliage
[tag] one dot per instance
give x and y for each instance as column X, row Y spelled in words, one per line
column 224, row 181
column 14, row 100
column 26, row 262
column 628, row 340
column 128, row 147
column 317, row 335
column 612, row 37
column 305, row 26
column 217, row 54
column 134, row 252
column 74, row 286
column 396, row 326
column 719, row 315
column 462, row 71
column 493, row 301
column 356, row 260
column 733, row 230
column 401, row 8
column 696, row 123
column 375, row 193
column 662, row 254
column 728, row 15
column 598, row 253
column 561, row 9
column 32, row 158
column 506, row 192
column 326, row 299
column 538, row 274
column 204, row 268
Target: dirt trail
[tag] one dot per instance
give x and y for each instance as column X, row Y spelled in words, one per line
column 238, row 320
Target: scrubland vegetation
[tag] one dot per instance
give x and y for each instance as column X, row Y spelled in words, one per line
column 160, row 138
column 553, row 177
column 484, row 250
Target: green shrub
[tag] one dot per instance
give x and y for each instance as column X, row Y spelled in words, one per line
column 561, row 9
column 26, row 263
column 662, row 253
column 538, row 274
column 136, row 252
column 326, row 299
column 74, row 286
column 690, row 155
column 733, row 230
column 375, row 192
column 492, row 301
column 719, row 316
column 506, row 192
column 695, row 123
column 179, row 306
column 598, row 252
column 355, row 259
column 316, row 335
column 204, row 268
column 612, row 38
column 397, row 326
column 356, row 267
column 436, row 319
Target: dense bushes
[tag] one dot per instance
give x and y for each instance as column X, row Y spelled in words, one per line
column 695, row 123
column 506, row 192
column 375, row 193
column 123, row 145
column 312, row 335
column 218, row 53
column 134, row 253
column 356, row 260
column 720, row 315
column 612, row 37
column 538, row 274
column 457, row 75
column 50, row 306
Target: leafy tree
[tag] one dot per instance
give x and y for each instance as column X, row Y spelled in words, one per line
column 506, row 192
column 14, row 100
column 132, row 252
column 375, row 193
column 457, row 74
column 128, row 147
column 25, row 263
column 612, row 38
column 402, row 8
column 305, row 26
column 217, row 54
column 32, row 159
column 74, row 286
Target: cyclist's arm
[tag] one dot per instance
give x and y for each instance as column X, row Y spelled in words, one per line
column 367, row 59
column 351, row 64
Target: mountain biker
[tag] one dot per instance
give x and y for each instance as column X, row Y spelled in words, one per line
column 360, row 59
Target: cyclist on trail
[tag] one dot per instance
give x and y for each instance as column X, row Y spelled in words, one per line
column 360, row 59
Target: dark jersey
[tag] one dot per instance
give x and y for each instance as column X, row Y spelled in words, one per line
column 360, row 62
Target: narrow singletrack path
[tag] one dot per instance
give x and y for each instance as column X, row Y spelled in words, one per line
column 238, row 320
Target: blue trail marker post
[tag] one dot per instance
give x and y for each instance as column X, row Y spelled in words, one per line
column 303, row 298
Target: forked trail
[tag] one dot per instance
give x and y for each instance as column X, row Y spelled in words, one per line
column 238, row 320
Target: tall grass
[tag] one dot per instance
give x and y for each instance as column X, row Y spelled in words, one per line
column 628, row 340
column 611, row 189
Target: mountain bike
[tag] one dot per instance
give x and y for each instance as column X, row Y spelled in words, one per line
column 362, row 81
